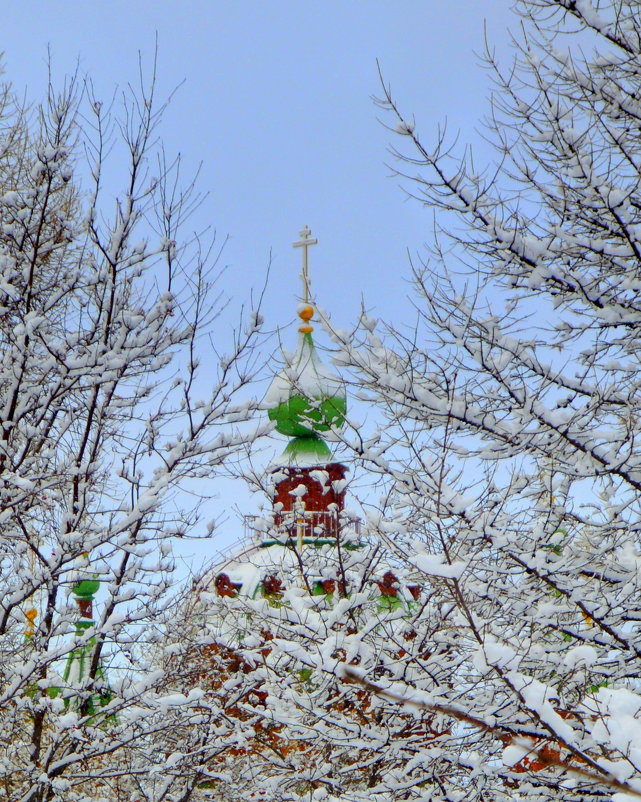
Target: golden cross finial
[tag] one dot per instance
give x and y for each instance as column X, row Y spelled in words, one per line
column 305, row 242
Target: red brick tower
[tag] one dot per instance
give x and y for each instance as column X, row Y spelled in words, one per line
column 313, row 498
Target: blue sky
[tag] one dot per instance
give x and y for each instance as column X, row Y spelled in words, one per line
column 277, row 105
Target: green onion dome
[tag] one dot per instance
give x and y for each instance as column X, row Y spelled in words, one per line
column 86, row 589
column 306, row 399
column 86, row 585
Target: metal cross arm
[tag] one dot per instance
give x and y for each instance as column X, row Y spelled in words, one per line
column 305, row 242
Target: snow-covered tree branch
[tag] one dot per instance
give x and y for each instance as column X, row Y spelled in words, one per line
column 511, row 410
column 105, row 310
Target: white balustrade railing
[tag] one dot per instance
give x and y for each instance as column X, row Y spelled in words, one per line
column 308, row 524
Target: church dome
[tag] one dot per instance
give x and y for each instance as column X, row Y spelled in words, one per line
column 305, row 400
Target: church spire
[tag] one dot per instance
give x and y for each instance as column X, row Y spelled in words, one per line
column 78, row 667
column 305, row 401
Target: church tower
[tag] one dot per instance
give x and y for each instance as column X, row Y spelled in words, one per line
column 306, row 400
column 281, row 618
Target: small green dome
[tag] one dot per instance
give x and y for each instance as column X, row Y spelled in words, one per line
column 309, row 449
column 86, row 589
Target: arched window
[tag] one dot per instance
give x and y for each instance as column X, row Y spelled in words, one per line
column 415, row 591
column 272, row 586
column 388, row 585
column 328, row 587
column 225, row 587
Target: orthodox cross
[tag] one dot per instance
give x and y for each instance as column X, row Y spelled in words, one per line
column 305, row 242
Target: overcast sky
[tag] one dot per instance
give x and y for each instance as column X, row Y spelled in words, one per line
column 277, row 105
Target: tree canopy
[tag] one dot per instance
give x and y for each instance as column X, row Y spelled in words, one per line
column 103, row 310
column 509, row 450
column 504, row 462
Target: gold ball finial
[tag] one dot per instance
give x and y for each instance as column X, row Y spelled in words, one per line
column 31, row 616
column 306, row 314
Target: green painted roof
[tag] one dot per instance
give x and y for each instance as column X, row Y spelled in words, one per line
column 305, row 400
